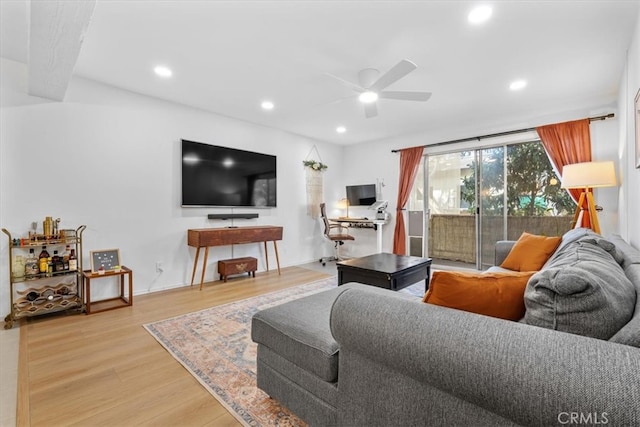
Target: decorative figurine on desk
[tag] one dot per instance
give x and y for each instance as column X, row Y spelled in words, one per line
column 101, row 270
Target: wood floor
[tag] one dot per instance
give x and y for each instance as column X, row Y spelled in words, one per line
column 106, row 370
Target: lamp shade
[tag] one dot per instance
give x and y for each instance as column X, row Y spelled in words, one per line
column 589, row 175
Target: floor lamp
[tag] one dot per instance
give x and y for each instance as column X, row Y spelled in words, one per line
column 585, row 176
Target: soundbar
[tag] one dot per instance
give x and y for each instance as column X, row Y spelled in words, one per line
column 233, row 216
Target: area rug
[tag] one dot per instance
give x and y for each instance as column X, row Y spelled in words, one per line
column 215, row 346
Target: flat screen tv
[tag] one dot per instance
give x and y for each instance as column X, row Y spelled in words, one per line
column 361, row 195
column 221, row 176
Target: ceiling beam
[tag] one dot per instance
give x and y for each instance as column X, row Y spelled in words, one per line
column 56, row 32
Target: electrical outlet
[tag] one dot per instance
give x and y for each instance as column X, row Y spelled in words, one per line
column 159, row 267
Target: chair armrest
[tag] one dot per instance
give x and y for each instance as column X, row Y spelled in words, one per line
column 503, row 247
column 522, row 373
column 339, row 226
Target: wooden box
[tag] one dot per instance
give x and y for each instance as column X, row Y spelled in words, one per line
column 227, row 267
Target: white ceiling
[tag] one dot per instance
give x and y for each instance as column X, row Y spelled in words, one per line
column 227, row 56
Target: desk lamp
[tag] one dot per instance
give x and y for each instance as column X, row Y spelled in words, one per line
column 342, row 204
column 585, row 176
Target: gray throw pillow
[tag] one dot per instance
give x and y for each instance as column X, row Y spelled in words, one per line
column 583, row 291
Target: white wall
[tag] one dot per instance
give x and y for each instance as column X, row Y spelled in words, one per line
column 110, row 159
column 629, row 194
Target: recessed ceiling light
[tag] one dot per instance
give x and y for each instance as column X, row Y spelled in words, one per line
column 518, row 84
column 479, row 14
column 267, row 105
column 368, row 97
column 341, row 129
column 163, row 71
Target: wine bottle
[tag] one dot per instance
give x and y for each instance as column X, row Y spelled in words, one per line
column 65, row 258
column 73, row 261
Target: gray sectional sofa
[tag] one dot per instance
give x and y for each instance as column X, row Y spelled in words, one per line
column 362, row 356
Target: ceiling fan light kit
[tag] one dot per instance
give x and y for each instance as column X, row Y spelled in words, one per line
column 371, row 86
column 368, row 97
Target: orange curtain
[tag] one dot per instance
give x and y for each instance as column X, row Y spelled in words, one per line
column 567, row 143
column 409, row 162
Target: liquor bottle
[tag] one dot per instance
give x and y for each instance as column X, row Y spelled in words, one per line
column 65, row 258
column 18, row 267
column 31, row 267
column 49, row 266
column 43, row 259
column 56, row 262
column 73, row 261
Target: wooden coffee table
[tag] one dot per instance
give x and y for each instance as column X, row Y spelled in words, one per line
column 385, row 270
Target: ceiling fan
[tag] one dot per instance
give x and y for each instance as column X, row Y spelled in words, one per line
column 371, row 86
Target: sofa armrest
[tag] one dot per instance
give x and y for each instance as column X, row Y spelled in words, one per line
column 523, row 374
column 503, row 247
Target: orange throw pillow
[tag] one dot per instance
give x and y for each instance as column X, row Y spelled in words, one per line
column 492, row 294
column 530, row 252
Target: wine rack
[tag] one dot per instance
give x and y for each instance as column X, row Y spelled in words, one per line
column 49, row 292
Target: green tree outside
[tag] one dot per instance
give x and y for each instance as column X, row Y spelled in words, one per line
column 533, row 188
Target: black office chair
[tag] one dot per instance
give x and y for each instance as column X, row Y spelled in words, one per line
column 338, row 238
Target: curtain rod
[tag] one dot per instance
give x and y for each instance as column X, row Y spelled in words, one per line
column 494, row 135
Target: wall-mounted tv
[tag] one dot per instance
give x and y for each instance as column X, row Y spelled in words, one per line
column 361, row 195
column 221, row 176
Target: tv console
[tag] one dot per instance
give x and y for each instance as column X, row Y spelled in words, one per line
column 206, row 237
column 233, row 216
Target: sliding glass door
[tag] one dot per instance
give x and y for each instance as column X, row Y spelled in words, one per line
column 474, row 198
column 491, row 203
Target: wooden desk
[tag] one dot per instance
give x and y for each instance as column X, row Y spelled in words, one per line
column 111, row 303
column 206, row 237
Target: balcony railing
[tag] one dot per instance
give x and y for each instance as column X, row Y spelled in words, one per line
column 452, row 237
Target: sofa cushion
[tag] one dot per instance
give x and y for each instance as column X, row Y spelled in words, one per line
column 492, row 294
column 571, row 236
column 630, row 333
column 583, row 291
column 530, row 252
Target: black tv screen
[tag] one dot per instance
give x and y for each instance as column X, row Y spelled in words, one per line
column 221, row 176
column 361, row 195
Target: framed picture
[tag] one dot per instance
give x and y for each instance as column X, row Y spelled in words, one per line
column 636, row 106
column 105, row 260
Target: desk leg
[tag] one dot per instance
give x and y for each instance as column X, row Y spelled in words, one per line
column 131, row 288
column 266, row 255
column 275, row 248
column 204, row 265
column 195, row 265
column 379, row 238
column 87, row 292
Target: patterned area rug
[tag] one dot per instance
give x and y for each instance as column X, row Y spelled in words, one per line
column 215, row 346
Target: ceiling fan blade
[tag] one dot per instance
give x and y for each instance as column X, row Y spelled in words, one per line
column 397, row 72
column 406, row 96
column 370, row 110
column 335, row 101
column 347, row 83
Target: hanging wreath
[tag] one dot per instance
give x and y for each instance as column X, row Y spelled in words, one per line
column 315, row 165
